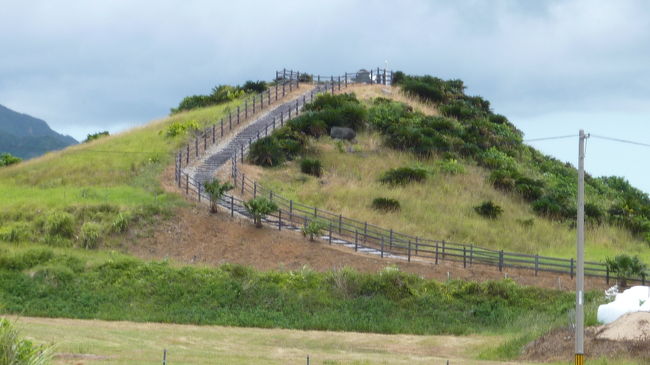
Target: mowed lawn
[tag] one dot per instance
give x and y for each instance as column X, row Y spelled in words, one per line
column 101, row 342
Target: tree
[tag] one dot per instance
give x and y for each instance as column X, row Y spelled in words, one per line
column 258, row 208
column 624, row 267
column 312, row 229
column 7, row 159
column 216, row 190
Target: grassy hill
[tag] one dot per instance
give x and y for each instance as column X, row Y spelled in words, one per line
column 467, row 162
column 83, row 195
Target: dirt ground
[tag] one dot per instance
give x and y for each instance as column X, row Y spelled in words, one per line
column 195, row 236
column 558, row 345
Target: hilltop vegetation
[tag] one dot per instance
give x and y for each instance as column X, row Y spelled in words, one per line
column 220, row 94
column 471, row 156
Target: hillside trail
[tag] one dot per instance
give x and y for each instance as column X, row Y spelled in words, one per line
column 205, row 168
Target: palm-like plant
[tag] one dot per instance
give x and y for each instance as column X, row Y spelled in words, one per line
column 258, row 208
column 216, row 189
column 19, row 351
column 624, row 267
column 312, row 229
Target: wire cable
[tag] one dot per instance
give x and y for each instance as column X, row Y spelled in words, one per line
column 550, row 138
column 621, row 140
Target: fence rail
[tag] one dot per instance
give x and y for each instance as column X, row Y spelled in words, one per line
column 363, row 235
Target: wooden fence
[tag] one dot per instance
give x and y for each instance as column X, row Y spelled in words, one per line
column 363, row 235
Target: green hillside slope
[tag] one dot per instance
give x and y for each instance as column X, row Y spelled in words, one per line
column 471, row 155
column 85, row 193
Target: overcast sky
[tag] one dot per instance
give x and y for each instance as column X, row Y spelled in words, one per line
column 552, row 67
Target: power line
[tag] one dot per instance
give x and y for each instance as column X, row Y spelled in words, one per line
column 550, row 138
column 621, row 140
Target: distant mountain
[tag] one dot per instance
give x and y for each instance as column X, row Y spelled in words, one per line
column 26, row 137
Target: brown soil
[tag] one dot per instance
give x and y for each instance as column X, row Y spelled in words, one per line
column 558, row 345
column 195, row 236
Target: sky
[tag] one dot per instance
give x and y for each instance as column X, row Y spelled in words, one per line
column 552, row 67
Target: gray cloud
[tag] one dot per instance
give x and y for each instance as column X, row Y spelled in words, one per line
column 85, row 66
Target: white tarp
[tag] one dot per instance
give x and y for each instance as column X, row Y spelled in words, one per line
column 635, row 299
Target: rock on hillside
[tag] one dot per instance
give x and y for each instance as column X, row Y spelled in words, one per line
column 25, row 136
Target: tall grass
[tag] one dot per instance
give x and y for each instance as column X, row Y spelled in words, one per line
column 440, row 207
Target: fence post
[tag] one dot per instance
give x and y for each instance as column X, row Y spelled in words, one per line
column 241, row 147
column 339, row 82
column 536, row 264
column 290, row 211
column 245, row 109
column 238, row 112
column 276, row 92
column 187, row 184
column 284, row 73
column 464, row 256
column 330, row 237
column 385, row 77
column 607, row 274
column 382, row 247
column 165, row 357
column 571, row 269
column 332, row 84
column 436, row 252
column 243, row 181
column 279, row 219
column 416, row 245
column 232, row 206
column 255, row 189
column 370, row 76
column 409, row 251
column 390, row 242
column 443, row 249
column 214, row 126
column 471, row 255
column 196, row 146
column 281, row 118
column 297, row 102
column 365, row 232
column 501, row 260
column 290, row 85
column 205, row 142
column 253, row 104
column 198, row 190
column 274, row 122
column 315, row 212
column 283, row 89
column 356, row 240
column 340, row 223
column 271, row 195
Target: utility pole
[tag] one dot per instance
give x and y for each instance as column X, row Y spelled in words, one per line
column 580, row 274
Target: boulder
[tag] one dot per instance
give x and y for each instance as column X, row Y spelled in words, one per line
column 343, row 133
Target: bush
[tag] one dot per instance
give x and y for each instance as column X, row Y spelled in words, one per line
column 258, row 208
column 553, row 207
column 7, row 159
column 121, row 222
column 313, row 228
column 311, row 167
column 266, row 151
column 181, row 128
column 255, row 86
column 193, row 102
column 60, row 224
column 594, row 214
column 398, row 77
column 529, row 189
column 386, row 204
column 505, row 180
column 626, row 267
column 489, row 209
column 15, row 232
column 91, row 232
column 403, row 175
column 216, row 190
column 94, row 136
column 15, row 350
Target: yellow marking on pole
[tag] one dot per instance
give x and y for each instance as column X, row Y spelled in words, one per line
column 580, row 359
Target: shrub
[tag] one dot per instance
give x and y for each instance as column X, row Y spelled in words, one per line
column 529, row 189
column 225, row 93
column 258, row 208
column 15, row 232
column 313, row 228
column 193, row 102
column 215, row 190
column 15, row 350
column 60, row 224
column 403, row 175
column 7, row 159
column 489, row 209
column 594, row 213
column 503, row 179
column 121, row 222
column 626, row 267
column 553, row 207
column 94, row 136
column 90, row 234
column 181, row 128
column 266, row 151
column 496, row 159
column 311, row 167
column 398, row 77
column 255, row 86
column 386, row 204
